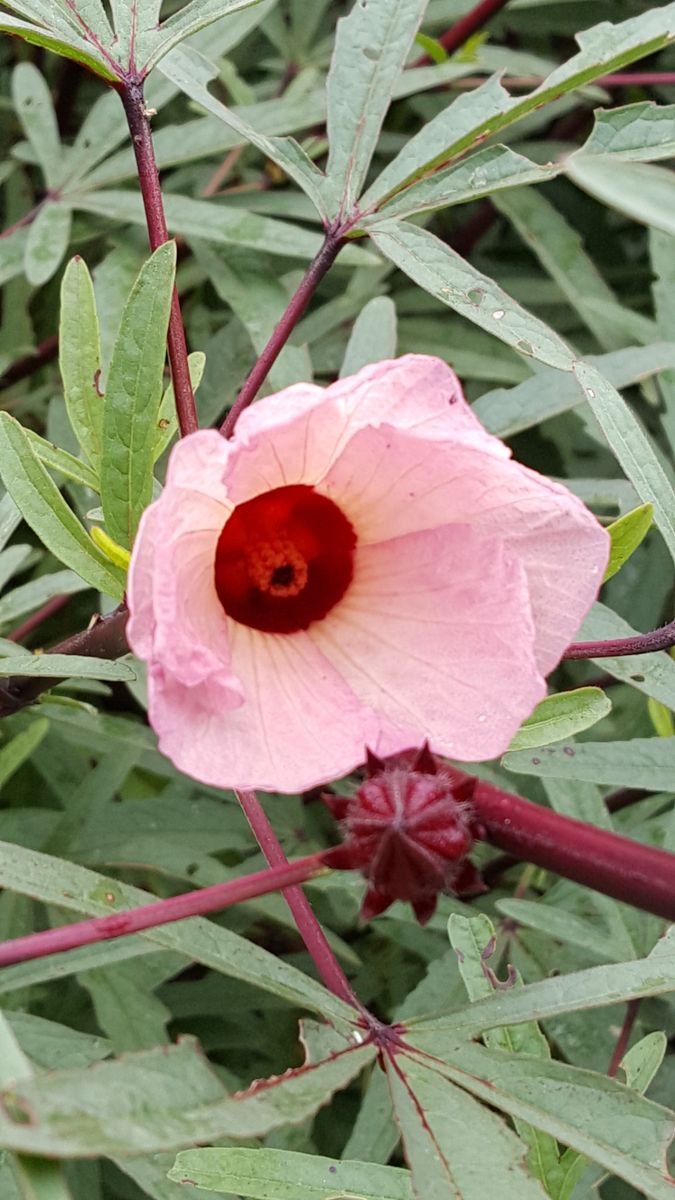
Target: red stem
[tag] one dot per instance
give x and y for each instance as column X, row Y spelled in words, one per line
column 638, row 79
column 298, row 303
column 463, row 29
column 37, row 618
column 308, row 926
column 176, row 908
column 643, row 876
column 642, row 643
column 131, row 94
column 632, row 1009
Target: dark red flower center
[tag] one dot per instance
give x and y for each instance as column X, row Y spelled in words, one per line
column 284, row 559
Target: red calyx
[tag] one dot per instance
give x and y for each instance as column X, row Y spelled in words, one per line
column 408, row 829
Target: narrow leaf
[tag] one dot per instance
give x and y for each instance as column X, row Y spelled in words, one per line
column 286, row 1175
column 47, row 513
column 505, row 411
column 59, row 460
column 637, row 132
column 163, row 1099
column 435, row 267
column 33, row 104
column 627, row 533
column 561, row 716
column 80, row 358
column 642, row 1061
column 373, row 336
column 47, row 242
column 638, row 190
column 17, row 751
column 132, row 398
column 71, row 666
column 430, row 1111
column 371, row 46
column 638, row 762
column 66, row 46
column 632, row 448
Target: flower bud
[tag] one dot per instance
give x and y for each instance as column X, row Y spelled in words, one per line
column 408, row 829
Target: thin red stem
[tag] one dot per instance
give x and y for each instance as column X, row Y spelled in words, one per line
column 176, row 908
column 308, row 926
column 632, row 1009
column 296, row 307
column 131, row 94
column 642, row 643
column 638, row 79
column 643, row 876
column 462, row 30
column 38, row 618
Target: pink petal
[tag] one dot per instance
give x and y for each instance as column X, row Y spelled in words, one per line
column 436, row 631
column 297, row 435
column 300, row 724
column 176, row 617
column 389, row 484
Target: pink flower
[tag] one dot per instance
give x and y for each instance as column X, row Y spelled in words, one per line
column 360, row 566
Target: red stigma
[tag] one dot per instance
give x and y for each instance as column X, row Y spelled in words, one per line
column 409, row 830
column 284, row 559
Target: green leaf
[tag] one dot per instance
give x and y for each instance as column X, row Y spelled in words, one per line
column 632, row 448
column 371, row 46
column 227, row 226
column 637, row 132
column 490, row 108
column 29, row 596
column 642, row 1061
column 195, row 15
column 59, row 460
column 167, row 421
column 596, row 1116
column 67, row 47
column 661, row 718
column 561, row 716
column 34, row 108
column 17, row 751
column 505, row 411
column 373, row 336
column 489, row 170
column 47, row 513
column 596, row 987
column 436, row 268
column 50, row 1045
column 80, row 359
column 69, row 666
column 627, row 533
column 162, row 1099
column 642, row 192
column 258, row 299
column 285, row 1175
column 47, row 242
column 132, row 397
column 561, row 252
column 193, row 77
column 430, row 1110
column 69, row 886
column 638, row 762
column 474, row 942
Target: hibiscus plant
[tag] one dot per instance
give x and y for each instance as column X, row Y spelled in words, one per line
column 319, row 602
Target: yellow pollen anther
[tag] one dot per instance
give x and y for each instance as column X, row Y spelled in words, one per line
column 277, row 567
